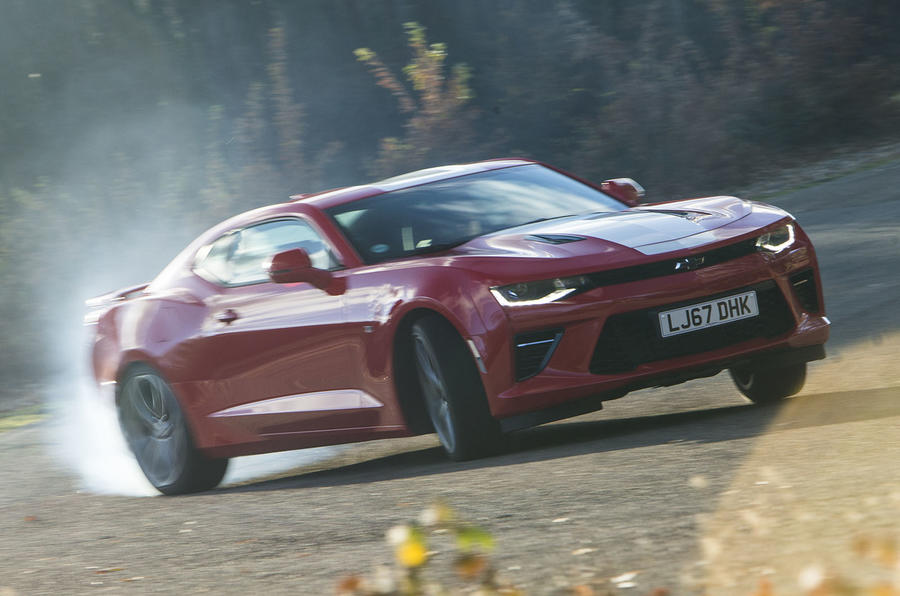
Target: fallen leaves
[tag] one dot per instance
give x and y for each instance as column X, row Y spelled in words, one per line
column 469, row 538
column 764, row 588
column 411, row 554
column 625, row 577
column 698, row 481
column 881, row 550
column 350, row 585
column 470, row 567
column 625, row 580
column 436, row 514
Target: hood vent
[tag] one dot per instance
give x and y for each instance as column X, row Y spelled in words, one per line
column 688, row 215
column 554, row 238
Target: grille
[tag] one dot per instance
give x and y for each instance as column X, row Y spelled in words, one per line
column 668, row 267
column 630, row 339
column 533, row 351
column 804, row 284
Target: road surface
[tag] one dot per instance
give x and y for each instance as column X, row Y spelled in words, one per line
column 689, row 487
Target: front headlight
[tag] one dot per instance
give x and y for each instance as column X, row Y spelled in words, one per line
column 539, row 292
column 777, row 240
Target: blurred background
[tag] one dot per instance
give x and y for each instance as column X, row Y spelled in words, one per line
column 129, row 126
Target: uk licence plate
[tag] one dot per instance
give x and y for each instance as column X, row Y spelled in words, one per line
column 708, row 314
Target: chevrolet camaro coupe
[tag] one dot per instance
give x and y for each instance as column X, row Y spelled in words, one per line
column 467, row 300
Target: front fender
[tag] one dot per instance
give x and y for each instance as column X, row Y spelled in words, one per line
column 461, row 297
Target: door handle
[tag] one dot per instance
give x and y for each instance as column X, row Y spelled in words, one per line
column 227, row 316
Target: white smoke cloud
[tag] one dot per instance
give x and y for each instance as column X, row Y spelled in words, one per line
column 84, row 435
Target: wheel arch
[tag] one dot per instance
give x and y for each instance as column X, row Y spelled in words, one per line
column 126, row 367
column 406, row 382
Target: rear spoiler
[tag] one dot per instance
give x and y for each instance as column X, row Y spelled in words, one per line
column 115, row 296
column 98, row 304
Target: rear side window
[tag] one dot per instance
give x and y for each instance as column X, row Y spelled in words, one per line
column 213, row 262
column 241, row 258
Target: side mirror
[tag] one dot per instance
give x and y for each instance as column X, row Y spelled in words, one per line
column 624, row 189
column 294, row 266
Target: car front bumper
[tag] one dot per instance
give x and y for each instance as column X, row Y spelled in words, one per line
column 606, row 342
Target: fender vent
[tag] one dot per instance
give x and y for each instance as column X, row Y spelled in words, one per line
column 804, row 284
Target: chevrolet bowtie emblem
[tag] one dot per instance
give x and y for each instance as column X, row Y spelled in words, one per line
column 688, row 264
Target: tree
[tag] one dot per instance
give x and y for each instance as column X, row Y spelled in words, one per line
column 440, row 123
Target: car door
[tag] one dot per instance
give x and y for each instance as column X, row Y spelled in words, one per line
column 278, row 352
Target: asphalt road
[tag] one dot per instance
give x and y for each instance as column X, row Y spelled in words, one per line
column 688, row 487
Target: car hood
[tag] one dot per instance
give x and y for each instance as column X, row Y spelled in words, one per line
column 627, row 231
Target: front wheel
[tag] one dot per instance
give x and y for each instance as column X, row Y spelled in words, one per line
column 765, row 385
column 452, row 391
column 157, row 433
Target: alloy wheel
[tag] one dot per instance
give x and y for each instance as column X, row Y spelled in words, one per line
column 435, row 390
column 154, row 428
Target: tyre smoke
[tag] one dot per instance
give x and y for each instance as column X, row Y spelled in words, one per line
column 83, row 433
column 84, row 436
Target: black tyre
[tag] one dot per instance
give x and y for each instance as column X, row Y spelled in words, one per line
column 452, row 391
column 157, row 433
column 766, row 385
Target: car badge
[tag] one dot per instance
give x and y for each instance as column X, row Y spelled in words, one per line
column 688, row 264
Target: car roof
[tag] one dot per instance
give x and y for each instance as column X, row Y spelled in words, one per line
column 340, row 196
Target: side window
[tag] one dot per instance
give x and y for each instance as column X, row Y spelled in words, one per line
column 214, row 262
column 256, row 246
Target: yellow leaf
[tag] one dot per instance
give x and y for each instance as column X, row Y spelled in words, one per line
column 411, row 553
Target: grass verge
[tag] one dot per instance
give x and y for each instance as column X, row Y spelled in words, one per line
column 21, row 417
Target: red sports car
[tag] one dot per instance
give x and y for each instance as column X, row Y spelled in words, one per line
column 467, row 300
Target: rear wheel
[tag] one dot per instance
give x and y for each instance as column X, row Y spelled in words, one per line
column 452, row 391
column 765, row 385
column 156, row 430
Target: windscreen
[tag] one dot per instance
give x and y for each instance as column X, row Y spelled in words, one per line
column 439, row 215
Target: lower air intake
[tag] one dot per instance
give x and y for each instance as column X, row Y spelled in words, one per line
column 804, row 284
column 633, row 338
column 533, row 351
